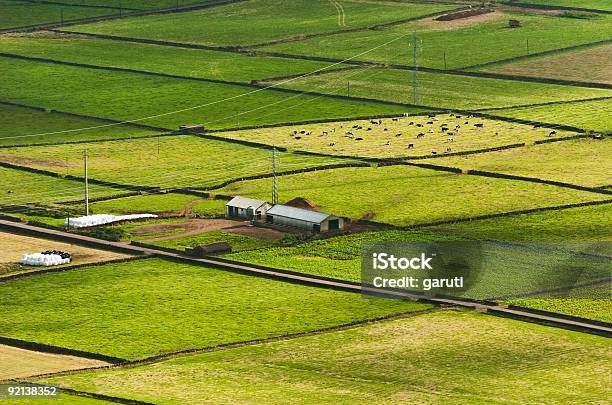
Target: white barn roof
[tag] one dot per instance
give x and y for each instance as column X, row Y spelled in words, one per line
column 298, row 213
column 244, row 202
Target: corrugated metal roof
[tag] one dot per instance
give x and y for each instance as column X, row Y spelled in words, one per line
column 298, row 213
column 244, row 202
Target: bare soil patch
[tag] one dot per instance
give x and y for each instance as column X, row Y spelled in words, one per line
column 43, row 35
column 257, row 232
column 13, row 246
column 25, row 161
column 433, row 23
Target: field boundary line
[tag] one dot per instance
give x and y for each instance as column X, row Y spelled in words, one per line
column 214, row 81
column 92, row 117
column 539, row 54
column 553, row 7
column 80, row 5
column 253, row 342
column 316, row 281
column 44, row 348
column 61, row 269
column 89, row 20
column 262, row 82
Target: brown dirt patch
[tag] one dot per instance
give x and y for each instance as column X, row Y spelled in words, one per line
column 24, row 161
column 432, row 23
column 304, row 203
column 42, row 34
column 257, row 232
column 192, row 227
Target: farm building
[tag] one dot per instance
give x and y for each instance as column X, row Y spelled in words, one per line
column 247, row 208
column 286, row 216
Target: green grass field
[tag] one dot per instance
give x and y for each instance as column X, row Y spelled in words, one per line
column 227, row 66
column 183, row 161
column 19, row 187
column 591, row 4
column 391, row 137
column 65, row 398
column 131, row 96
column 138, row 4
column 590, row 115
column 590, row 65
column 23, row 124
column 585, row 225
column 161, row 203
column 135, row 309
column 584, row 161
column 442, row 357
column 442, row 90
column 15, row 14
column 408, row 195
column 266, row 21
column 462, row 42
column 240, row 243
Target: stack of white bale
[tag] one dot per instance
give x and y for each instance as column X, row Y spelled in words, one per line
column 102, row 219
column 41, row 259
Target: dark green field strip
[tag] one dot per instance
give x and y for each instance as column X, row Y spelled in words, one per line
column 446, row 91
column 113, row 308
column 163, row 101
column 25, row 17
column 593, row 6
column 266, row 21
column 444, row 47
column 198, row 63
column 21, row 14
column 29, row 125
column 115, row 8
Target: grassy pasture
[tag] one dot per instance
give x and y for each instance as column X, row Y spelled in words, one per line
column 16, row 245
column 590, row 65
column 404, row 195
column 20, row 363
column 161, row 204
column 464, row 43
column 585, row 161
column 592, row 4
column 589, row 115
column 382, row 140
column 65, row 398
column 240, row 243
column 441, row 357
column 585, row 225
column 442, row 90
column 15, row 14
column 19, row 187
column 133, row 310
column 131, row 96
column 138, row 4
column 227, row 66
column 183, row 161
column 19, row 124
column 266, row 20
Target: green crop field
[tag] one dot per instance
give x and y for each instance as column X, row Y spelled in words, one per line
column 437, row 90
column 139, row 4
column 201, row 63
column 132, row 96
column 408, row 195
column 134, row 310
column 590, row 115
column 590, row 65
column 15, row 14
column 585, row 225
column 23, row 126
column 461, row 43
column 19, row 187
column 240, row 243
column 66, row 398
column 442, row 357
column 590, row 4
column 267, row 21
column 585, row 162
column 162, row 162
column 160, row 203
column 390, row 137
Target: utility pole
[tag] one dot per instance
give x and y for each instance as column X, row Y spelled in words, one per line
column 445, row 60
column 415, row 71
column 527, row 45
column 61, row 17
column 86, row 183
column 274, row 189
column 348, row 88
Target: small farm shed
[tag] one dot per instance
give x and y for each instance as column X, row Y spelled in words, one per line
column 286, row 216
column 247, row 208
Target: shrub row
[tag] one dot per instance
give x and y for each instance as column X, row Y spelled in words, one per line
column 467, row 152
column 552, row 7
column 537, row 180
column 527, row 106
column 560, row 315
